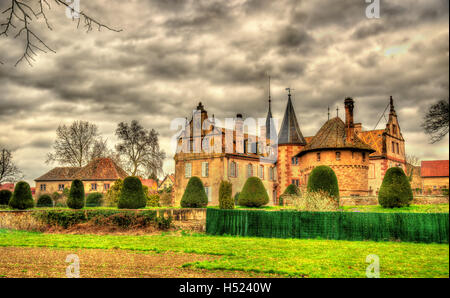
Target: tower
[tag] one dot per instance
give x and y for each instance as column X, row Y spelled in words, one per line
column 290, row 142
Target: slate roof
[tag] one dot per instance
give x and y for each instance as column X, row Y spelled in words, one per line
column 290, row 131
column 98, row 169
column 434, row 168
column 332, row 135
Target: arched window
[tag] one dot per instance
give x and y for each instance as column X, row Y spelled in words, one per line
column 338, row 155
column 233, row 172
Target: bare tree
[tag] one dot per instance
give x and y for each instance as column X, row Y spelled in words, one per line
column 436, row 121
column 9, row 172
column 76, row 145
column 412, row 162
column 140, row 149
column 21, row 13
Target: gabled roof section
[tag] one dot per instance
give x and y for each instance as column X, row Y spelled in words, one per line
column 374, row 138
column 59, row 174
column 434, row 168
column 290, row 131
column 101, row 169
column 332, row 135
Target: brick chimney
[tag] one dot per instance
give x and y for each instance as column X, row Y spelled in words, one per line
column 349, row 125
column 239, row 134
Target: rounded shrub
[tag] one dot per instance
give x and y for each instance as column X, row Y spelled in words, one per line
column 44, row 201
column 76, row 195
column 236, row 198
column 292, row 190
column 5, row 196
column 94, row 199
column 194, row 195
column 132, row 194
column 226, row 200
column 21, row 198
column 153, row 200
column 253, row 194
column 323, row 178
column 395, row 190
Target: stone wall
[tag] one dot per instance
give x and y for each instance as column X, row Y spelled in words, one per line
column 186, row 218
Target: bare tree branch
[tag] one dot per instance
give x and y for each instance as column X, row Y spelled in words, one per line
column 140, row 149
column 436, row 121
column 22, row 13
column 9, row 172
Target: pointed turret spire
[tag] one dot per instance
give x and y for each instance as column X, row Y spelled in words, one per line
column 269, row 120
column 391, row 103
column 290, row 131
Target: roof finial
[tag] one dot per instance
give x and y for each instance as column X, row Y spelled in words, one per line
column 337, row 111
column 391, row 102
column 328, row 112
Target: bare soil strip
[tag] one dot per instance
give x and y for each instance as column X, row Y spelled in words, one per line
column 50, row 262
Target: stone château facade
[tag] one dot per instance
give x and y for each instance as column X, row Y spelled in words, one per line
column 359, row 158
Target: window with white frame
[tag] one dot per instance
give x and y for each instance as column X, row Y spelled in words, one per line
column 205, row 169
column 271, row 174
column 93, row 186
column 233, row 169
column 188, row 170
column 261, row 171
column 249, row 170
column 43, row 187
column 208, row 193
column 60, row 187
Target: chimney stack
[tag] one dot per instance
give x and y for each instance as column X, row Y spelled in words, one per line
column 239, row 134
column 349, row 125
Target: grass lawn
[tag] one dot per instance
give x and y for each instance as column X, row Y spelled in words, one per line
column 284, row 257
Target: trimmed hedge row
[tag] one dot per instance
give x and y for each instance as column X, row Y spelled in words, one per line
column 121, row 218
column 408, row 227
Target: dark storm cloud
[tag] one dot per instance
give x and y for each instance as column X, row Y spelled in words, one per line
column 172, row 54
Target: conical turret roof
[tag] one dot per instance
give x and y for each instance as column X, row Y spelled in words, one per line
column 290, row 131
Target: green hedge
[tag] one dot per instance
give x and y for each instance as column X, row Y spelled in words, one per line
column 408, row 227
column 121, row 218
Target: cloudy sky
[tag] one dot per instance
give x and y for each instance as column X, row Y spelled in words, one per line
column 172, row 54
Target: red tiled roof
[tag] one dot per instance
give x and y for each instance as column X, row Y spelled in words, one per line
column 8, row 186
column 152, row 184
column 434, row 168
column 101, row 169
column 98, row 169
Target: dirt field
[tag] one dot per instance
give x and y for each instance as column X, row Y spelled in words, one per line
column 50, row 262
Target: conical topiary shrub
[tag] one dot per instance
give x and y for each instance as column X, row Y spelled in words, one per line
column 226, row 201
column 323, row 178
column 76, row 195
column 395, row 191
column 194, row 195
column 44, row 201
column 291, row 191
column 132, row 194
column 5, row 196
column 21, row 198
column 253, row 194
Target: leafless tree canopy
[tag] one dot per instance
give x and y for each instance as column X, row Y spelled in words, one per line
column 140, row 148
column 9, row 172
column 77, row 144
column 412, row 162
column 20, row 14
column 436, row 121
